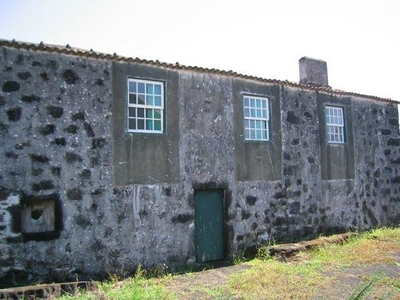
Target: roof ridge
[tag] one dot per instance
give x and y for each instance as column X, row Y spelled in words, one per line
column 67, row 49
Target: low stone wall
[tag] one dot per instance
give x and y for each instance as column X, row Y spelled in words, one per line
column 46, row 291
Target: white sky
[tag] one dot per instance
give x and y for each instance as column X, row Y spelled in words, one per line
column 359, row 39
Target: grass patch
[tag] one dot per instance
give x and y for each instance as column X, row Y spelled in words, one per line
column 349, row 271
column 137, row 287
column 373, row 247
column 276, row 280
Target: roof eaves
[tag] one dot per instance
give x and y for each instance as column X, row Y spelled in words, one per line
column 115, row 57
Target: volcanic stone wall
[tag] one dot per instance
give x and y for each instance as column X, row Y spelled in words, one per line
column 55, row 156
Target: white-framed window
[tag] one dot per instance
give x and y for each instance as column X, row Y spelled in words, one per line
column 256, row 118
column 145, row 106
column 334, row 117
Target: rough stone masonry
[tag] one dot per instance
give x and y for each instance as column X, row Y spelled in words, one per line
column 82, row 195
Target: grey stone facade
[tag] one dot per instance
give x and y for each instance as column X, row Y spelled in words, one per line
column 122, row 199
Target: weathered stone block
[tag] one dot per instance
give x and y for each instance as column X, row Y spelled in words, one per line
column 74, row 194
column 292, row 118
column 182, row 218
column 251, row 200
column 56, row 171
column 14, row 114
column 98, row 143
column 79, row 116
column 393, row 142
column 70, row 76
column 71, row 157
column 55, row 111
column 85, row 174
column 39, row 158
column 47, row 129
column 291, row 170
column 11, row 86
column 24, row 75
column 88, row 129
column 59, row 142
column 44, row 76
column 43, row 185
column 11, row 154
column 30, row 98
column 71, row 129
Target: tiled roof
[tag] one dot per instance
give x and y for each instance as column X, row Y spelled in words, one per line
column 115, row 57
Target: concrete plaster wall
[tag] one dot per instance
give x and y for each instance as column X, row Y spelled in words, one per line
column 63, row 133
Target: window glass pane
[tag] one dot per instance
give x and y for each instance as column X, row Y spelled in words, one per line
column 252, row 124
column 132, row 87
column 253, row 113
column 141, row 99
column 140, row 112
column 264, row 124
column 132, row 124
column 157, row 125
column 132, row 112
column 157, row 114
column 246, row 134
column 258, row 113
column 149, row 113
column 132, row 98
column 264, row 104
column 149, row 124
column 264, row 114
column 141, row 87
column 252, row 134
column 157, row 100
column 246, row 112
column 258, row 124
column 246, row 102
column 157, row 89
column 252, row 102
column 149, row 88
column 140, row 124
column 149, row 100
column 264, row 134
column 258, row 103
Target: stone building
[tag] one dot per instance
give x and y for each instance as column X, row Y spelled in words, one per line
column 109, row 162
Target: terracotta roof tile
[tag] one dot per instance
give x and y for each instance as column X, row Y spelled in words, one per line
column 67, row 49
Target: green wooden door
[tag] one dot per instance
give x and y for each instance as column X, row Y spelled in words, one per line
column 209, row 225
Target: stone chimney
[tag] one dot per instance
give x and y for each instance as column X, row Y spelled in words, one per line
column 313, row 71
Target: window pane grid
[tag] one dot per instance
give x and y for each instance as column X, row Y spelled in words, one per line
column 334, row 124
column 145, row 106
column 256, row 117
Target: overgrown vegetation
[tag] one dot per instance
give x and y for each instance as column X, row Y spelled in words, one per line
column 368, row 265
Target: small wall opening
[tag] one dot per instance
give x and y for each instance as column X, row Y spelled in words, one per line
column 41, row 217
column 38, row 216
